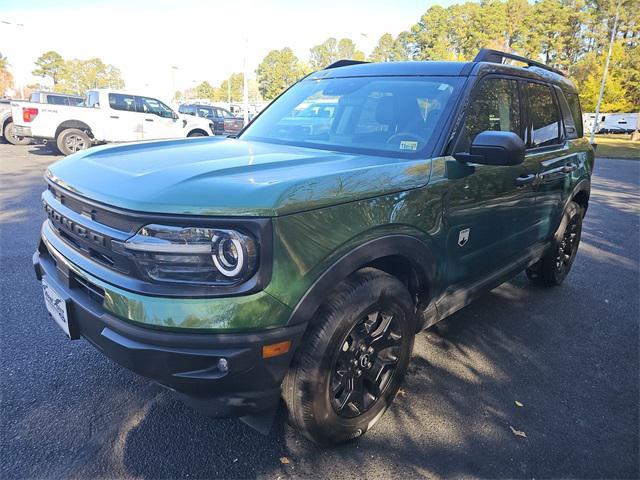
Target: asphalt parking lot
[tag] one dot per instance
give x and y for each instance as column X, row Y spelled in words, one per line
column 568, row 355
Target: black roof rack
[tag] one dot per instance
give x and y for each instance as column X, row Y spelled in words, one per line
column 344, row 63
column 496, row 56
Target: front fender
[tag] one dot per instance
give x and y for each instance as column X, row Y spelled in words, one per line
column 408, row 247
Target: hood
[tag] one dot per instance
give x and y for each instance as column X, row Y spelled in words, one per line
column 230, row 177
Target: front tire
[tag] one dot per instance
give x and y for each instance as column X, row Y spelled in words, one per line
column 72, row 140
column 12, row 138
column 353, row 359
column 554, row 266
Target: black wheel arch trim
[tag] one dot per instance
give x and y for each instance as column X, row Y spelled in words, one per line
column 411, row 248
column 583, row 185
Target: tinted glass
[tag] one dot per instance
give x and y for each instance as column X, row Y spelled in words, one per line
column 394, row 116
column 494, row 105
column 57, row 100
column 119, row 101
column 93, row 99
column 576, row 112
column 206, row 112
column 155, row 107
column 187, row 109
column 543, row 115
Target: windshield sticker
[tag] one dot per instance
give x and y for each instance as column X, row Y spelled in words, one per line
column 406, row 145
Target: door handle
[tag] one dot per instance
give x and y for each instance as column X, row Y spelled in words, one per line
column 523, row 180
column 569, row 168
column 148, row 119
column 114, row 116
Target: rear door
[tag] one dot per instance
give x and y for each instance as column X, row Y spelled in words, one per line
column 488, row 208
column 123, row 122
column 549, row 148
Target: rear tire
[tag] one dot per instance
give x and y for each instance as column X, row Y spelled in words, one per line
column 352, row 360
column 72, row 140
column 554, row 266
column 197, row 134
column 10, row 136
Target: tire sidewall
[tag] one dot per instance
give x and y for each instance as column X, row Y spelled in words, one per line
column 71, row 131
column 13, row 140
column 388, row 295
column 571, row 212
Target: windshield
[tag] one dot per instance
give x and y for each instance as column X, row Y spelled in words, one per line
column 394, row 116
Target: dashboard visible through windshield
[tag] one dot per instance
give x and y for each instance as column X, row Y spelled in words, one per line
column 393, row 116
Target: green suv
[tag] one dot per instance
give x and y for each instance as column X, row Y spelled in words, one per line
column 299, row 260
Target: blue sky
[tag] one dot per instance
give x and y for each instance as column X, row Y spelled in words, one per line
column 204, row 39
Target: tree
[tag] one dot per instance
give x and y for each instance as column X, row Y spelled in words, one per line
column 390, row 49
column 277, row 71
column 205, row 91
column 6, row 78
column 52, row 65
column 82, row 75
column 622, row 90
column 332, row 50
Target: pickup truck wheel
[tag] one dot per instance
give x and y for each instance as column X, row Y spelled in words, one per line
column 352, row 360
column 11, row 137
column 555, row 265
column 72, row 140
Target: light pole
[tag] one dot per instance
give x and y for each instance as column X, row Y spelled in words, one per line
column 173, row 81
column 245, row 84
column 604, row 74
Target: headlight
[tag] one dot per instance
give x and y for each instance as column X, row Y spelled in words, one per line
column 193, row 255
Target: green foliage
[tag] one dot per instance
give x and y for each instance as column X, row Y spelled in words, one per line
column 332, row 50
column 77, row 76
column 279, row 70
column 81, row 75
column 205, row 90
column 50, row 64
column 622, row 91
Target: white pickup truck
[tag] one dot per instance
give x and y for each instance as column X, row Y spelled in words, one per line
column 105, row 116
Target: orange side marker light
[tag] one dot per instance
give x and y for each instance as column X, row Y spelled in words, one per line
column 276, row 349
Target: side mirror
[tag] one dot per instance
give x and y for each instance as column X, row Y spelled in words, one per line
column 494, row 148
column 174, row 115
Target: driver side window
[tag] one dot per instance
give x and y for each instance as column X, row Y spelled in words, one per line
column 494, row 105
column 155, row 107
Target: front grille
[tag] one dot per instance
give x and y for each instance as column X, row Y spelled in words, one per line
column 90, row 289
column 95, row 241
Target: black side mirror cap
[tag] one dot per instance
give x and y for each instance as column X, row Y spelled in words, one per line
column 494, row 148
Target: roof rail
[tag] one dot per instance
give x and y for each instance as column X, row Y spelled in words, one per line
column 496, row 56
column 344, row 63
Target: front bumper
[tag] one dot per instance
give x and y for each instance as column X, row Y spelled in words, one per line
column 188, row 363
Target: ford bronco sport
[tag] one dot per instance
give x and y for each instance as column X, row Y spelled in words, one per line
column 299, row 260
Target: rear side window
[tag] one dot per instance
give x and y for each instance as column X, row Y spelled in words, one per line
column 544, row 120
column 187, row 109
column 494, row 105
column 576, row 112
column 57, row 100
column 119, row 101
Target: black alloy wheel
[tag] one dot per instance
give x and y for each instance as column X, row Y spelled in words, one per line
column 365, row 363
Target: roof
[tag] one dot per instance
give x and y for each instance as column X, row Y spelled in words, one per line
column 487, row 61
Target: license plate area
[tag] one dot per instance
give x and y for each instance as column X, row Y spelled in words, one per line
column 58, row 307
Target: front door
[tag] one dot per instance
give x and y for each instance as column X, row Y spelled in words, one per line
column 488, row 209
column 159, row 120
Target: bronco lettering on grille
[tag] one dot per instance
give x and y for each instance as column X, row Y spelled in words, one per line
column 74, row 228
